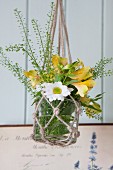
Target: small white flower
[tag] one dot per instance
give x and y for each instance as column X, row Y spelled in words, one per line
column 55, row 91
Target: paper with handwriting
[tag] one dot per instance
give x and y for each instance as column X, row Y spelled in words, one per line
column 19, row 152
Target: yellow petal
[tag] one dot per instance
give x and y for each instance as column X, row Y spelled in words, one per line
column 84, row 86
column 82, row 89
column 33, row 76
column 59, row 60
column 89, row 83
column 82, row 74
column 34, row 82
column 55, row 60
column 88, row 75
column 31, row 73
column 63, row 61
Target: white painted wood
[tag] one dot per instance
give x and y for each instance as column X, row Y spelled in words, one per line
column 84, row 26
column 108, row 52
column 11, row 91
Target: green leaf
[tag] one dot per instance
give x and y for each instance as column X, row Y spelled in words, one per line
column 58, row 77
column 92, row 107
column 99, row 95
column 70, row 82
column 72, row 75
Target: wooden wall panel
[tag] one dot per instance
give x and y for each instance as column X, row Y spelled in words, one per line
column 84, row 25
column 108, row 52
column 90, row 29
column 11, row 91
column 38, row 10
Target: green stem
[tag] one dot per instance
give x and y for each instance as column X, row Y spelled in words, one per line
column 26, row 36
column 48, row 40
column 35, row 26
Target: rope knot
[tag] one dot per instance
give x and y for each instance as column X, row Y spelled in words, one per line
column 56, row 111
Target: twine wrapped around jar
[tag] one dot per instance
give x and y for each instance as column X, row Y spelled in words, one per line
column 42, row 127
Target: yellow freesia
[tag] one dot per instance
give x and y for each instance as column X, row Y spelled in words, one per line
column 89, row 83
column 82, row 74
column 63, row 61
column 56, row 60
column 84, row 79
column 74, row 66
column 84, row 86
column 33, row 76
column 82, row 89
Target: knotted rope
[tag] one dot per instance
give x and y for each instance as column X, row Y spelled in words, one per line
column 73, row 130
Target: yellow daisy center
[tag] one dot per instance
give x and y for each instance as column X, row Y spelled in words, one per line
column 57, row 90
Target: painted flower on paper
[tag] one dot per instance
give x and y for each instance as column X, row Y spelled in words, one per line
column 92, row 158
column 56, row 91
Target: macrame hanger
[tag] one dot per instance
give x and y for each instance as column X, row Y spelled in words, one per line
column 58, row 14
column 63, row 33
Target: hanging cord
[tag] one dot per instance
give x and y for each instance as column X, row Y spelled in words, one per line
column 62, row 30
column 54, row 21
column 65, row 31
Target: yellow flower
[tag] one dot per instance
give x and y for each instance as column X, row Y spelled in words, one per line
column 33, row 76
column 76, row 65
column 82, row 89
column 84, row 86
column 82, row 74
column 56, row 60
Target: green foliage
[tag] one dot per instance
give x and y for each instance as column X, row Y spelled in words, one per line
column 44, row 40
column 99, row 69
column 26, row 47
column 16, row 70
column 25, row 38
column 91, row 107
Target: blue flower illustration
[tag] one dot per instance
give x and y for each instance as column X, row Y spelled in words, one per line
column 92, row 158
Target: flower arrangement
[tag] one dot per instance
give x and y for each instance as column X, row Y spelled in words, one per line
column 92, row 158
column 58, row 88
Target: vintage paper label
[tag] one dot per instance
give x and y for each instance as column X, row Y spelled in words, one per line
column 19, row 152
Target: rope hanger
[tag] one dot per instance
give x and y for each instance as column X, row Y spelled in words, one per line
column 62, row 32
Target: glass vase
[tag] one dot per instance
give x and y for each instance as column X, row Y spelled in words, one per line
column 56, row 123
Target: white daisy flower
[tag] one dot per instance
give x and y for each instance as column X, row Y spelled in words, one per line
column 56, row 91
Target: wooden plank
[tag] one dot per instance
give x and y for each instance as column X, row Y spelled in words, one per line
column 108, row 52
